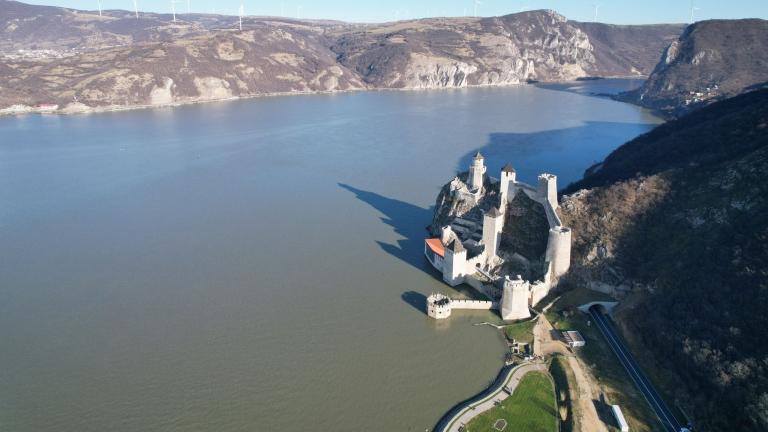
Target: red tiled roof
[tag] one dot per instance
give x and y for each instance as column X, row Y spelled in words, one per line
column 436, row 245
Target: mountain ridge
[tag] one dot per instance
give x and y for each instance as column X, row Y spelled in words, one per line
column 78, row 61
column 710, row 61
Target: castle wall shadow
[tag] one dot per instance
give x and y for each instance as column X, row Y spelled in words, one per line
column 407, row 220
column 566, row 152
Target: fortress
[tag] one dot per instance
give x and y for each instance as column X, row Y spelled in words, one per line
column 488, row 231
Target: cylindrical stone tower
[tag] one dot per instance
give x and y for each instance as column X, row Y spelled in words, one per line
column 559, row 250
column 438, row 306
column 476, row 171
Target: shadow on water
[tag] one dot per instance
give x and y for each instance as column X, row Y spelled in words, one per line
column 605, row 88
column 565, row 152
column 407, row 220
column 415, row 299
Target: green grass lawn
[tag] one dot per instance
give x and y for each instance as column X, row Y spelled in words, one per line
column 531, row 408
column 521, row 332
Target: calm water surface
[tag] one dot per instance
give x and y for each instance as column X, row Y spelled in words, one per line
column 256, row 265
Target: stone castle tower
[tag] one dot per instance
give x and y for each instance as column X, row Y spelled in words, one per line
column 454, row 267
column 548, row 189
column 559, row 250
column 506, row 181
column 438, row 306
column 476, row 172
column 514, row 299
column 493, row 223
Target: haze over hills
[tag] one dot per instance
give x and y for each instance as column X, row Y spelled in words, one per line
column 117, row 61
column 682, row 237
column 712, row 60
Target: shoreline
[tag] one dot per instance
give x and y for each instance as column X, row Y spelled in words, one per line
column 7, row 112
column 500, row 389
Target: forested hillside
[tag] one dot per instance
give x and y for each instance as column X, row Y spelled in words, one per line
column 675, row 221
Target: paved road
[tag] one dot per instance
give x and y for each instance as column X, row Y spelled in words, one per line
column 496, row 394
column 668, row 420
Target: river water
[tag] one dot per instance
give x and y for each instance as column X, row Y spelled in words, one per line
column 256, row 265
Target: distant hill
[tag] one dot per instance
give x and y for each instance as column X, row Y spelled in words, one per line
column 623, row 50
column 82, row 61
column 674, row 222
column 540, row 45
column 712, row 60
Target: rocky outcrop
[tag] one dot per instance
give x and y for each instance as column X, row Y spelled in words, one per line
column 450, row 205
column 539, row 45
column 711, row 61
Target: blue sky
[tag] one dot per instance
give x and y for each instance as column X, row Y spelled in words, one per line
column 612, row 11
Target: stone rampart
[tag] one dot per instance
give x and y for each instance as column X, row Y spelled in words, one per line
column 539, row 290
column 552, row 216
column 473, row 304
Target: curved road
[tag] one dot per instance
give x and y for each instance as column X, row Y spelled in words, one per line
column 666, row 417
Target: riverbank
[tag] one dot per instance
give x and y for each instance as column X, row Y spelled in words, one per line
column 531, row 407
column 77, row 108
column 502, row 388
column 81, row 109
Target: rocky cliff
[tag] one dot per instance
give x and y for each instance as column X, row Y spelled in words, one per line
column 674, row 222
column 539, row 45
column 79, row 60
column 712, row 60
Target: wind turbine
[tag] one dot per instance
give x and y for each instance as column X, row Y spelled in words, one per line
column 240, row 13
column 136, row 9
column 189, row 10
column 596, row 6
column 173, row 8
column 477, row 2
column 693, row 9
column 298, row 11
column 100, row 7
